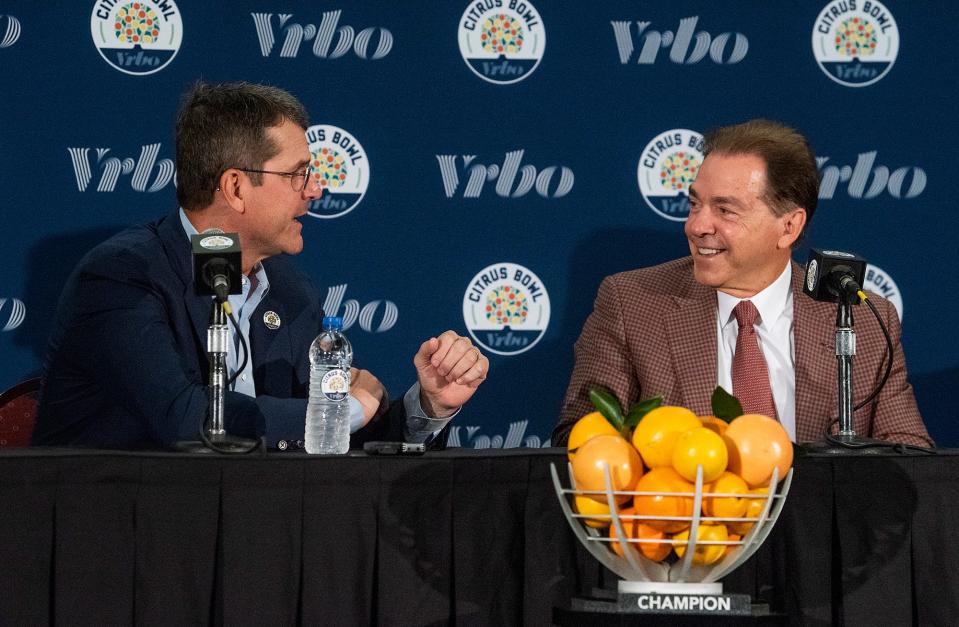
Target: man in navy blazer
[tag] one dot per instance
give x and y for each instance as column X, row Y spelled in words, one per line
column 127, row 366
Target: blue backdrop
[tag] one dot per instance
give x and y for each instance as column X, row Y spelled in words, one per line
column 473, row 150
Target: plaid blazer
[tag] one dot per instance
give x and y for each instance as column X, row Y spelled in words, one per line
column 653, row 331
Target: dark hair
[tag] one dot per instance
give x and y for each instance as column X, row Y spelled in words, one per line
column 220, row 126
column 792, row 178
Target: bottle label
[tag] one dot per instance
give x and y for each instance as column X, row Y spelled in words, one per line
column 335, row 384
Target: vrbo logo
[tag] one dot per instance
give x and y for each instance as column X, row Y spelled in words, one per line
column 367, row 314
column 295, row 34
column 724, row 49
column 17, row 313
column 550, row 182
column 11, row 33
column 110, row 169
column 867, row 180
column 467, row 437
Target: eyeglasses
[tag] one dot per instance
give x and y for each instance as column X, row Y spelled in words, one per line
column 298, row 179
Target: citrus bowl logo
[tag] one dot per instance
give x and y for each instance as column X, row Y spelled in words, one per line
column 879, row 282
column 855, row 45
column 667, row 167
column 502, row 41
column 139, row 37
column 506, row 308
column 340, row 169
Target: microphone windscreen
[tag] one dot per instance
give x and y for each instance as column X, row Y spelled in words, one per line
column 820, row 283
column 216, row 254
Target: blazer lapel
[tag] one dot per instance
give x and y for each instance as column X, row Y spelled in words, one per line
column 816, row 386
column 691, row 327
column 200, row 309
column 177, row 246
column 272, row 349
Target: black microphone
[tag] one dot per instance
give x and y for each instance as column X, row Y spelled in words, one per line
column 833, row 273
column 216, row 263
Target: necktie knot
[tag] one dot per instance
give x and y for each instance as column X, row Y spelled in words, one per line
column 746, row 315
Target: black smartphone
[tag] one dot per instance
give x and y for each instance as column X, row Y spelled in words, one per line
column 394, row 448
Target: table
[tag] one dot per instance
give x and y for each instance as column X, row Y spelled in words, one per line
column 464, row 536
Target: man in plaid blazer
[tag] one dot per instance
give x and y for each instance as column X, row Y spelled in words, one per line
column 659, row 330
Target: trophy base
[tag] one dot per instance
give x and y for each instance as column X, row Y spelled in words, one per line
column 685, row 602
column 607, row 614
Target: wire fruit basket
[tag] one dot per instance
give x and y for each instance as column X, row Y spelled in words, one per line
column 673, row 576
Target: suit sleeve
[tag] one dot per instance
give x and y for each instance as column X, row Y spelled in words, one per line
column 896, row 415
column 602, row 358
column 390, row 427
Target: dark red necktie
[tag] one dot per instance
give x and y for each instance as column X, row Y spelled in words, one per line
column 750, row 375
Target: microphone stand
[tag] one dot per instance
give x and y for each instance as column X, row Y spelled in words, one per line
column 217, row 346
column 215, row 437
column 845, row 351
column 846, row 442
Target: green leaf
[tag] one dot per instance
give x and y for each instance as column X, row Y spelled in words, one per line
column 640, row 409
column 606, row 404
column 725, row 405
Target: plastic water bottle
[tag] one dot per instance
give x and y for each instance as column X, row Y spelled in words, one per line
column 328, row 411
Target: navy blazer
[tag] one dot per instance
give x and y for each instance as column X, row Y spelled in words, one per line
column 126, row 366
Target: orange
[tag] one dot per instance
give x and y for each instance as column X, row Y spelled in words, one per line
column 703, row 553
column 714, row 424
column 732, row 547
column 756, row 445
column 625, row 467
column 664, row 480
column 589, row 507
column 725, row 506
column 656, row 434
column 636, row 529
column 754, row 507
column 587, row 428
column 700, row 446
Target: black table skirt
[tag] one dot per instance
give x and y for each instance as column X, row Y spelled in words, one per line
column 461, row 536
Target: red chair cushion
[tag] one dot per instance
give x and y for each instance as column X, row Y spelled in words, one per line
column 18, row 411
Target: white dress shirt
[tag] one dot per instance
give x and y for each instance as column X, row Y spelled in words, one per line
column 774, row 329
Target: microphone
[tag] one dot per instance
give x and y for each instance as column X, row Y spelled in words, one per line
column 833, row 273
column 216, row 263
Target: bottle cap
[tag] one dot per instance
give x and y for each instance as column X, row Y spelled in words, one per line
column 332, row 322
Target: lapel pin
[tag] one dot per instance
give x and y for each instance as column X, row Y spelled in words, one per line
column 271, row 320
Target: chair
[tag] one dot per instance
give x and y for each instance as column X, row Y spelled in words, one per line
column 18, row 410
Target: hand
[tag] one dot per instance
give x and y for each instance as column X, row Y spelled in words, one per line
column 369, row 392
column 449, row 369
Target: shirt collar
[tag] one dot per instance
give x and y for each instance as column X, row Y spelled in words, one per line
column 258, row 271
column 771, row 301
